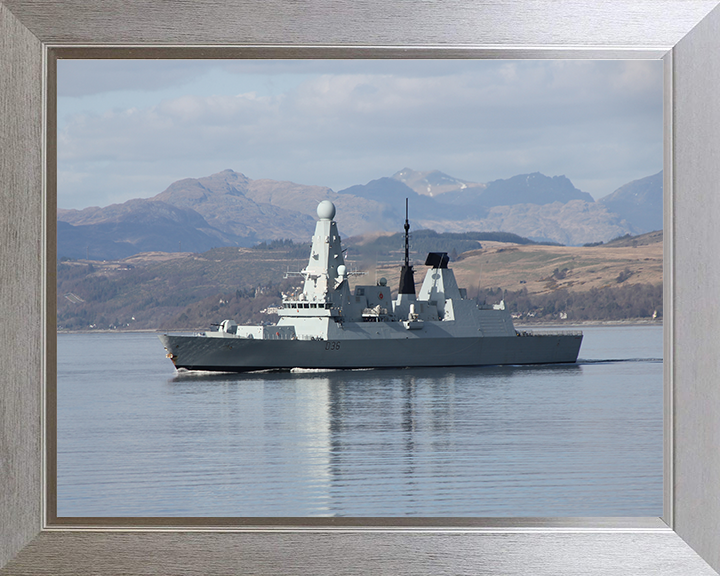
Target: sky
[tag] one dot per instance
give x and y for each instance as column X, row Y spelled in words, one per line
column 130, row 128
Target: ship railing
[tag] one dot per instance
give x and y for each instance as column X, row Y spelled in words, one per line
column 301, row 304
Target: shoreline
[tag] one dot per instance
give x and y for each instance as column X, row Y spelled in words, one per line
column 569, row 324
column 539, row 324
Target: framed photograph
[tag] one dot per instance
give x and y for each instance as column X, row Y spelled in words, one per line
column 442, row 442
column 682, row 541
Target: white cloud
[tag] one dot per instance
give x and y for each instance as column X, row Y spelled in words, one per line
column 343, row 123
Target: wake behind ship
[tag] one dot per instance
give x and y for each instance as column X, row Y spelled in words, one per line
column 328, row 326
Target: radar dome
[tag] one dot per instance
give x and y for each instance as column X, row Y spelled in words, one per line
column 341, row 270
column 326, row 210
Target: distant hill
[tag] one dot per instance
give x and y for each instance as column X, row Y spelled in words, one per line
column 196, row 214
column 573, row 223
column 533, row 188
column 466, row 201
column 640, row 202
column 271, row 209
column 226, row 201
column 392, row 193
column 654, row 237
column 390, row 247
column 432, row 183
column 121, row 230
column 230, row 209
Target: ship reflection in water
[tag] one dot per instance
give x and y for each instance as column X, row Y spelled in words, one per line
column 490, row 441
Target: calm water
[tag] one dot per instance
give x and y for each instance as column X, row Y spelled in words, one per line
column 135, row 438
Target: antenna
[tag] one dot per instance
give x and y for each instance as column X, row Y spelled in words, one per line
column 407, row 240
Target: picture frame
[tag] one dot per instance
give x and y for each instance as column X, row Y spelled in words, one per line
column 684, row 33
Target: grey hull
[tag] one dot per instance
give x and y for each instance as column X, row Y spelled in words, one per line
column 243, row 355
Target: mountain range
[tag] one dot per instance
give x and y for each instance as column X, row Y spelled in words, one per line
column 230, row 209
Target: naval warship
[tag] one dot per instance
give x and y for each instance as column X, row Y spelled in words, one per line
column 327, row 325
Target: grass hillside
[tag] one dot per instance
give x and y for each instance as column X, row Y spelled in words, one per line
column 543, row 268
column 617, row 280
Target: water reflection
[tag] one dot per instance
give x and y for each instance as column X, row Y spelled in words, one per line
column 418, row 432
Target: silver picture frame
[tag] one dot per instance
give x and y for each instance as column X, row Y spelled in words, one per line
column 685, row 34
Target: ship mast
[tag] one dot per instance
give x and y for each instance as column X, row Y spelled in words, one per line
column 407, row 236
column 407, row 280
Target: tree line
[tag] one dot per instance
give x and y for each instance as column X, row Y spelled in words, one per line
column 608, row 303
